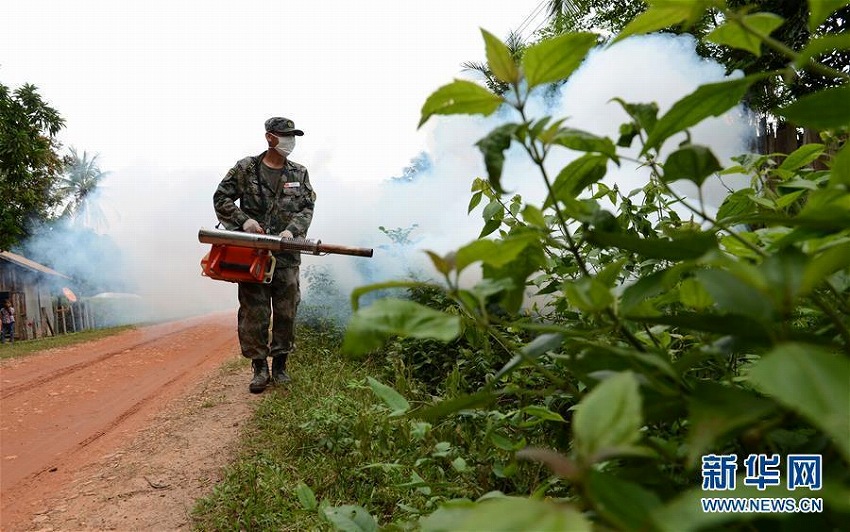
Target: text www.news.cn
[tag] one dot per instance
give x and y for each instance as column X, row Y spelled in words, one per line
column 761, row 505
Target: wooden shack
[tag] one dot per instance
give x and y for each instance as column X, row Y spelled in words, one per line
column 31, row 287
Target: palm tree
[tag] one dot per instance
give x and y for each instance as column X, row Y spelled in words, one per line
column 82, row 178
column 516, row 45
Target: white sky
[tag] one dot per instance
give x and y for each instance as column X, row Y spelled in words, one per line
column 188, row 84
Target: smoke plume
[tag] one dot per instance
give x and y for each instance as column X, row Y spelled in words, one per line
column 159, row 209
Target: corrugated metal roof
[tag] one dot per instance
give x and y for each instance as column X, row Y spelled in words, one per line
column 29, row 264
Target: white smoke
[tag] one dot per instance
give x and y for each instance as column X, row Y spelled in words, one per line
column 160, row 210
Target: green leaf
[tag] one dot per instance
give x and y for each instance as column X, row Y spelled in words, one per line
column 820, row 10
column 625, row 504
column 739, row 325
column 505, row 443
column 823, row 265
column 474, row 201
column 494, row 209
column 532, row 215
column 795, row 183
column 732, row 34
column 812, row 382
column 826, row 109
column 531, row 260
column 394, row 400
column 783, row 272
column 577, row 176
column 588, row 294
column 734, row 295
column 648, row 287
column 306, row 497
column 493, row 148
column 459, row 465
column 692, row 162
column 499, row 59
column 644, row 114
column 478, row 184
column 443, row 265
column 371, row 326
column 609, row 416
column 349, row 518
column 487, row 288
column 717, row 410
column 662, row 14
column 543, row 413
column 735, row 247
column 611, row 273
column 496, row 253
column 764, row 202
column 456, row 404
column 802, row 156
column 490, row 226
column 360, row 291
column 503, row 514
column 599, row 358
column 712, row 99
column 841, row 167
column 546, row 136
column 576, row 139
column 827, row 209
column 531, row 352
column 694, row 295
column 460, row 97
column 555, row 59
column 691, row 246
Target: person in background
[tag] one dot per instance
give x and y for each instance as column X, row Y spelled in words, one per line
column 7, row 318
column 274, row 197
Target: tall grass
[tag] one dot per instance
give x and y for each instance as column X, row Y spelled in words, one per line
column 327, row 441
column 299, row 435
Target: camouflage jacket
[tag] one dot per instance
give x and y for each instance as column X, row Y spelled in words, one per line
column 289, row 207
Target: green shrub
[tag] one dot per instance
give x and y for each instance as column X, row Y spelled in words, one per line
column 661, row 340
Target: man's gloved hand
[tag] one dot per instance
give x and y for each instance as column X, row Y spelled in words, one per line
column 286, row 233
column 252, row 226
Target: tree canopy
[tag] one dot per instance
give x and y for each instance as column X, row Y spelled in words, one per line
column 29, row 163
column 788, row 31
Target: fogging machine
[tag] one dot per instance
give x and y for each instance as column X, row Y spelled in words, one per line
column 247, row 257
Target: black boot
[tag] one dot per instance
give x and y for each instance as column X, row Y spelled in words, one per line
column 279, row 375
column 261, row 376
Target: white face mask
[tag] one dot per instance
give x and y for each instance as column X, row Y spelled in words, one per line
column 285, row 145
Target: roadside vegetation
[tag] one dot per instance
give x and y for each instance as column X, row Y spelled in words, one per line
column 314, row 444
column 337, row 435
column 664, row 331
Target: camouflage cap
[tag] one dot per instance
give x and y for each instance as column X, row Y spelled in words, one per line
column 282, row 126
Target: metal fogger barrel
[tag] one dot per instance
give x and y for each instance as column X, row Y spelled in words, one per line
column 247, row 257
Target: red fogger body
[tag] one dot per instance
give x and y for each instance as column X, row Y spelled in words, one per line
column 240, row 257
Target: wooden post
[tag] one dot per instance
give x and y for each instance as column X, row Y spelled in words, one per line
column 47, row 320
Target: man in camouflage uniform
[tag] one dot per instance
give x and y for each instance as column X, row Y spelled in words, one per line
column 275, row 197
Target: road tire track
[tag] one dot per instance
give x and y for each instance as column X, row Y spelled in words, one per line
column 63, row 409
column 39, row 380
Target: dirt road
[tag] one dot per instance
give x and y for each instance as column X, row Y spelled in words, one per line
column 87, row 428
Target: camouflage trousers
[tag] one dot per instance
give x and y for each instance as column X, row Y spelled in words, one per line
column 267, row 315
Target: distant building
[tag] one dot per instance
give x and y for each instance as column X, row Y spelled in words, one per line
column 31, row 287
